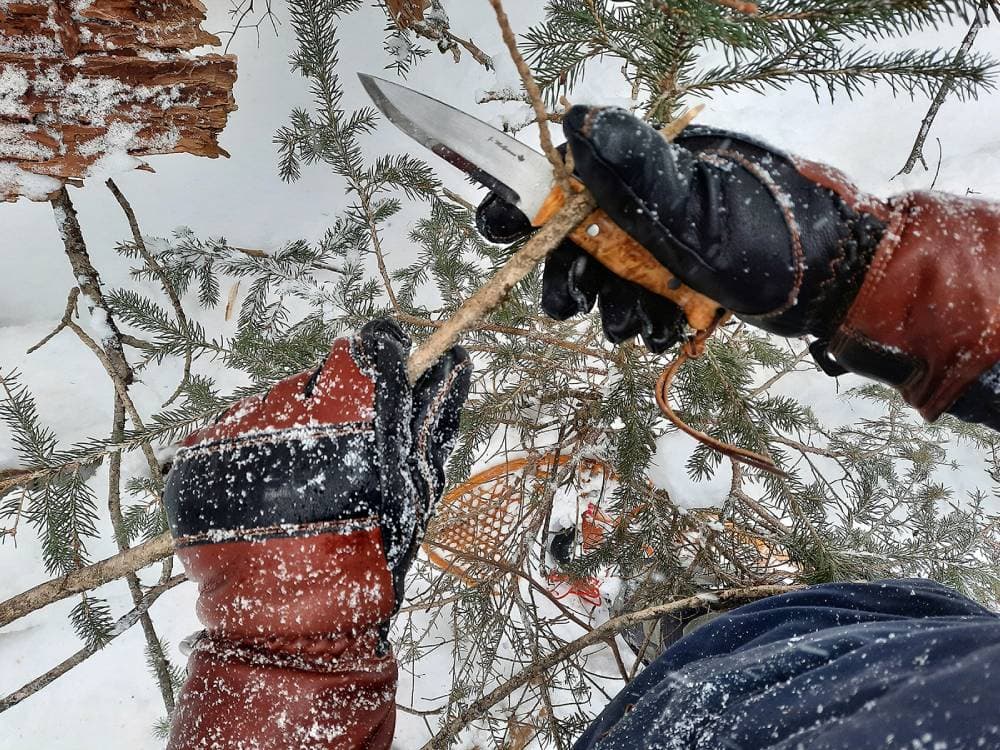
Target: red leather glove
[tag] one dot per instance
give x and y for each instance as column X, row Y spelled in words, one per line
column 298, row 514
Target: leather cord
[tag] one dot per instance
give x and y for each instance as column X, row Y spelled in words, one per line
column 693, row 348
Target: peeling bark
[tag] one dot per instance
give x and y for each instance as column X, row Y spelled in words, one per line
column 81, row 81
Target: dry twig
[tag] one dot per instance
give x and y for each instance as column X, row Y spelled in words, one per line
column 86, row 578
column 917, row 152
column 123, row 624
column 534, row 96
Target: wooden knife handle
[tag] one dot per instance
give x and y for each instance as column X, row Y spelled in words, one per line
column 623, row 256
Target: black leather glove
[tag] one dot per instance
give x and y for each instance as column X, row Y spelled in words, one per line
column 783, row 243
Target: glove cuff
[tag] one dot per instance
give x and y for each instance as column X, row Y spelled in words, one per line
column 236, row 698
column 926, row 318
column 322, row 580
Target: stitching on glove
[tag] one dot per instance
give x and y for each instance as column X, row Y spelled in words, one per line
column 289, row 434
column 433, row 413
column 784, row 201
column 225, row 650
column 343, row 526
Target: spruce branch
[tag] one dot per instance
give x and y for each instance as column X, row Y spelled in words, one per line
column 917, row 152
column 111, row 353
column 86, row 578
column 534, row 96
column 122, row 625
column 154, row 266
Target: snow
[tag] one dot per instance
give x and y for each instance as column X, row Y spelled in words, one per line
column 29, row 184
column 13, row 86
column 669, row 472
column 243, row 199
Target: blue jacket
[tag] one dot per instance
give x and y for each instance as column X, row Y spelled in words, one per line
column 893, row 664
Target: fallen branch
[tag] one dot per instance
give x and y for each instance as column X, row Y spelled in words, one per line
column 477, row 710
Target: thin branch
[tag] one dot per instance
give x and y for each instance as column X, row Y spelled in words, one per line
column 917, row 153
column 153, row 265
column 489, row 296
column 159, row 660
column 483, row 705
column 74, row 295
column 125, row 623
column 534, row 96
column 87, row 578
column 512, row 331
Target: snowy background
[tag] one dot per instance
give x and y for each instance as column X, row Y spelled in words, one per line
column 111, row 701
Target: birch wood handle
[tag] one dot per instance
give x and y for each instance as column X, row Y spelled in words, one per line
column 623, row 256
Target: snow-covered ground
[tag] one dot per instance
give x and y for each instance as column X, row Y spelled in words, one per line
column 110, row 701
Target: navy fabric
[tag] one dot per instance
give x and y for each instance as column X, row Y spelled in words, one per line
column 892, row 664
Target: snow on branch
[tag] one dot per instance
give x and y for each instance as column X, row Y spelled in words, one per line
column 87, row 87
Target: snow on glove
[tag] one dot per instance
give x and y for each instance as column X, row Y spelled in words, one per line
column 298, row 514
column 886, row 286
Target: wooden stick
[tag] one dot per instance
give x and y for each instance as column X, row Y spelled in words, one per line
column 534, row 97
column 122, row 625
column 86, row 578
column 489, row 296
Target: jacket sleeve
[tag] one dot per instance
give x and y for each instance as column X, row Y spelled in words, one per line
column 926, row 319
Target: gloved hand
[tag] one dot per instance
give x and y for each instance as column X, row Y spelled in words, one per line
column 298, row 514
column 783, row 243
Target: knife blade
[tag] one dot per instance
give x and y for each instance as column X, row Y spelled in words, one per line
column 523, row 177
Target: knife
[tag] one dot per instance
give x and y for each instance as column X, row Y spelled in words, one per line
column 523, row 177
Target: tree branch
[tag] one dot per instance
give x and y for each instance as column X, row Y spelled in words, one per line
column 489, row 296
column 124, row 623
column 917, row 153
column 87, row 578
column 161, row 274
column 732, row 597
column 534, row 96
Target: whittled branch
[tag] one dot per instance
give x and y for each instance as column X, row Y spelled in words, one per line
column 489, row 296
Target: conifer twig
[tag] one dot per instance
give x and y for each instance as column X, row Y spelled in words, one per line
column 123, row 624
column 160, row 273
column 534, row 96
column 489, row 296
column 74, row 295
column 110, row 351
column 917, row 152
column 731, row 597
